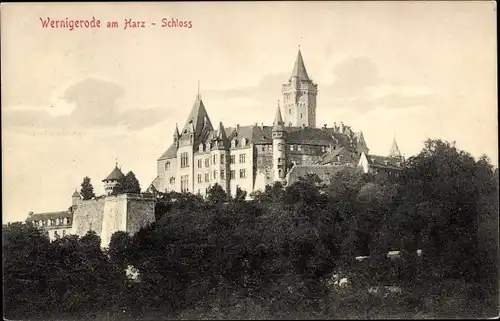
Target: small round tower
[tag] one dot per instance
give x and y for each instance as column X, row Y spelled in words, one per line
column 112, row 182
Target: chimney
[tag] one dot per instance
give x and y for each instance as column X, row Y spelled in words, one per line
column 31, row 213
column 261, row 125
column 342, row 127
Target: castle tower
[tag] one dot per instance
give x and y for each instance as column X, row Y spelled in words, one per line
column 193, row 133
column 221, row 155
column 112, row 182
column 395, row 153
column 75, row 198
column 279, row 147
column 299, row 97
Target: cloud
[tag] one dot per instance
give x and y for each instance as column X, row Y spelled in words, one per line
column 92, row 103
column 356, row 85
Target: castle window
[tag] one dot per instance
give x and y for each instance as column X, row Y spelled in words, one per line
column 215, row 174
column 58, row 221
column 172, row 180
column 167, row 166
column 299, row 148
column 279, row 172
column 263, row 148
column 65, row 221
column 209, row 146
column 199, row 178
column 232, row 174
column 233, row 159
column 291, row 148
column 207, row 177
column 242, row 158
column 269, row 148
column 244, row 142
column 323, row 149
column 300, row 115
column 290, row 111
column 49, row 222
column 184, row 160
column 207, row 162
column 199, row 163
column 234, row 143
column 184, row 183
column 222, row 176
column 279, row 160
column 243, row 173
column 64, row 233
column 215, row 159
column 201, row 147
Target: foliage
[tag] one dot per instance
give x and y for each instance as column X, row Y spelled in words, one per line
column 87, row 190
column 273, row 256
column 130, row 184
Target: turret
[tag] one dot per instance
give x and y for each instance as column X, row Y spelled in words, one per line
column 112, row 182
column 176, row 136
column 220, row 155
column 279, row 147
column 395, row 152
column 75, row 198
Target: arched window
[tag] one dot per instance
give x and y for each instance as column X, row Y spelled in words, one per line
column 49, row 222
column 167, row 166
column 172, row 180
column 244, row 142
column 58, row 221
column 65, row 221
column 234, row 143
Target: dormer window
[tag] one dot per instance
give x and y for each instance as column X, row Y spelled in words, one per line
column 234, row 143
column 201, row 147
column 244, row 142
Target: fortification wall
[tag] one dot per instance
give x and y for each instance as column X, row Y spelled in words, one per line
column 114, row 217
column 140, row 212
column 88, row 216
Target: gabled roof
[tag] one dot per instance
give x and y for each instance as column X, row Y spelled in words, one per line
column 115, row 175
column 384, row 162
column 171, row 152
column 299, row 69
column 76, row 194
column 332, row 157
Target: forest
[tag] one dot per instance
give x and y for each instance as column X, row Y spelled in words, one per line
column 281, row 255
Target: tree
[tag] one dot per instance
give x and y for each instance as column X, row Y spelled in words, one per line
column 216, row 194
column 240, row 195
column 130, row 184
column 87, row 190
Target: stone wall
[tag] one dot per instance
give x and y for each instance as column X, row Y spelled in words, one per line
column 114, row 217
column 88, row 216
column 140, row 212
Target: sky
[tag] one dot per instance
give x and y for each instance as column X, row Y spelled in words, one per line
column 76, row 101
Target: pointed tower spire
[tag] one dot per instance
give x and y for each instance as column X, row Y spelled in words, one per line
column 299, row 69
column 176, row 132
column 394, row 149
column 198, row 95
column 221, row 137
column 278, row 124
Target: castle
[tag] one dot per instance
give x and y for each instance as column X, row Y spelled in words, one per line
column 245, row 157
column 251, row 157
column 105, row 215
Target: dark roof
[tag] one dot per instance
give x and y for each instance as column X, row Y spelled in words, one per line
column 115, row 175
column 198, row 121
column 170, row 153
column 299, row 69
column 49, row 215
column 384, row 162
column 331, row 157
column 324, row 172
column 154, row 185
column 278, row 124
column 263, row 135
